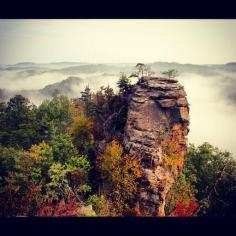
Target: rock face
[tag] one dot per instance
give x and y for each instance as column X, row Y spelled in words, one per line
column 155, row 134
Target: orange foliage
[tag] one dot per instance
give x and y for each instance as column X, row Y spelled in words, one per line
column 173, row 151
column 173, row 162
column 81, row 128
column 119, row 174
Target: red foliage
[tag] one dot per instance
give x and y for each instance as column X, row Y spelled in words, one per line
column 60, row 209
column 185, row 210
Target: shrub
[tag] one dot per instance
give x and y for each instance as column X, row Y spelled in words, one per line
column 185, row 210
column 81, row 131
column 119, row 174
column 181, row 193
column 62, row 208
column 124, row 84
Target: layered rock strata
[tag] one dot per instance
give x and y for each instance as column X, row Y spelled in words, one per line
column 155, row 134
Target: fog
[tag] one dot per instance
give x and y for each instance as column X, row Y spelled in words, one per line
column 212, row 115
column 13, row 82
column 212, row 98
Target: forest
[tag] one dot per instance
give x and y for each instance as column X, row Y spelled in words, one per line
column 49, row 166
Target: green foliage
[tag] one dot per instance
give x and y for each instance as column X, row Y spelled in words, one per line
column 45, row 167
column 124, row 84
column 54, row 113
column 3, row 120
column 76, row 162
column 181, row 192
column 89, row 106
column 7, row 159
column 100, row 205
column 18, row 123
column 58, row 181
column 69, row 171
column 23, row 180
column 84, row 189
column 171, row 73
column 23, row 124
column 102, row 100
column 62, row 146
column 43, row 173
column 208, row 178
column 213, row 174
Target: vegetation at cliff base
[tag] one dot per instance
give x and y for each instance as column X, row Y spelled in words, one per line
column 53, row 161
column 208, row 180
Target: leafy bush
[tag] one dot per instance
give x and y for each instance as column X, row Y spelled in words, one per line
column 101, row 205
column 181, row 193
column 54, row 113
column 185, row 210
column 18, row 123
column 81, row 131
column 212, row 173
column 208, row 179
column 60, row 209
column 23, row 181
column 119, row 174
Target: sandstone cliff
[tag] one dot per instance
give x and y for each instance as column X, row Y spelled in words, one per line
column 155, row 134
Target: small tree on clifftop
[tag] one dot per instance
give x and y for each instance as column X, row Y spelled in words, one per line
column 171, row 73
column 141, row 68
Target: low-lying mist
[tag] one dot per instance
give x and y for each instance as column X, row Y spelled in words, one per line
column 212, row 97
column 212, row 113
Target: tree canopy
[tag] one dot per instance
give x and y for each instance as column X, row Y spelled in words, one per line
column 54, row 162
column 172, row 73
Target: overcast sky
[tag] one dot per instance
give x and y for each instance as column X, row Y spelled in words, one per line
column 99, row 41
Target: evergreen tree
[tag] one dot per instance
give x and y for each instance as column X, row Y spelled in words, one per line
column 124, row 84
column 18, row 123
column 54, row 113
column 86, row 97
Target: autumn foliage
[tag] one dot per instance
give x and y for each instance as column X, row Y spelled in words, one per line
column 62, row 208
column 118, row 176
column 51, row 163
column 185, row 210
column 173, row 153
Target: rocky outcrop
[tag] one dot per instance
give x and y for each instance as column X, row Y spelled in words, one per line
column 155, row 134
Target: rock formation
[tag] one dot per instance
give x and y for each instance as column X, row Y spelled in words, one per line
column 155, row 134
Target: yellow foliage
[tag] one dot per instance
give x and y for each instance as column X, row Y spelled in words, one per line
column 76, row 109
column 111, row 156
column 24, row 186
column 81, row 128
column 119, row 175
column 173, row 157
column 36, row 151
column 174, row 162
column 33, row 158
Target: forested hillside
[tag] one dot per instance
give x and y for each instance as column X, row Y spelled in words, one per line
column 52, row 162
